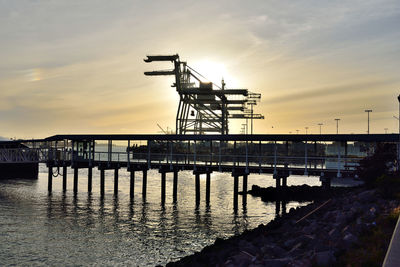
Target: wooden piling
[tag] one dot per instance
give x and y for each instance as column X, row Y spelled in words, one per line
column 102, row 175
column 64, row 178
column 144, row 184
column 90, row 174
column 235, row 191
column 50, row 179
column 132, row 184
column 197, row 185
column 116, row 181
column 76, row 180
column 208, row 185
column 175, row 187
column 163, row 176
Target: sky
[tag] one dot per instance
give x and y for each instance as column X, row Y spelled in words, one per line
column 70, row 67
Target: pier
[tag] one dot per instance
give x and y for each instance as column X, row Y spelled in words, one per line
column 325, row 156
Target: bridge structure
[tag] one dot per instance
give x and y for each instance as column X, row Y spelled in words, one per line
column 325, row 156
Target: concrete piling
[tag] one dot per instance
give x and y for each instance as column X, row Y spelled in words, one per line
column 132, row 184
column 116, row 181
column 235, row 191
column 90, row 174
column 163, row 179
column 64, row 178
column 50, row 179
column 197, row 184
column 102, row 176
column 175, row 187
column 76, row 180
column 208, row 185
column 144, row 184
column 244, row 196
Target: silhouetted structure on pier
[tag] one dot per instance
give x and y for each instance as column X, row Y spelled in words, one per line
column 203, row 109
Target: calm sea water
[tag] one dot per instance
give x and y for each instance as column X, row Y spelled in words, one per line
column 63, row 229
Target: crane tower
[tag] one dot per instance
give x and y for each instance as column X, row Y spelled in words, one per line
column 202, row 108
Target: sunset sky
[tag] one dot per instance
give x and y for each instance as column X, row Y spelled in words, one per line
column 77, row 66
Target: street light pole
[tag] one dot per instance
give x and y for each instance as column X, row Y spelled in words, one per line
column 368, row 111
column 398, row 144
column 337, row 125
column 320, row 125
column 306, row 130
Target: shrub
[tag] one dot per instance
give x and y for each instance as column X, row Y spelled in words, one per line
column 379, row 164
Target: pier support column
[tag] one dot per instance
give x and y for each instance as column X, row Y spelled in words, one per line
column 116, row 181
column 325, row 182
column 102, row 176
column 277, row 207
column 283, row 207
column 235, row 191
column 64, row 178
column 90, row 175
column 132, row 184
column 50, row 179
column 244, row 196
column 76, row 180
column 197, row 184
column 278, row 182
column 175, row 187
column 208, row 185
column 163, row 178
column 144, row 184
column 284, row 182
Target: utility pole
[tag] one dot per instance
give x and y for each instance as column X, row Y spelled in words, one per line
column 337, row 125
column 368, row 111
column 320, row 126
column 306, row 130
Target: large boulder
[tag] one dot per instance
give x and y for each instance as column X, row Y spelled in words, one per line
column 324, row 258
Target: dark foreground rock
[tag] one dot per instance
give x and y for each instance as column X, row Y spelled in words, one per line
column 314, row 235
column 297, row 193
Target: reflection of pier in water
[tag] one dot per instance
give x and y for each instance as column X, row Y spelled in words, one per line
column 281, row 155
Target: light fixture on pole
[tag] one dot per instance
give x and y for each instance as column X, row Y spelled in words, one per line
column 337, row 125
column 368, row 111
column 297, row 131
column 306, row 129
column 398, row 98
column 386, row 130
column 320, row 126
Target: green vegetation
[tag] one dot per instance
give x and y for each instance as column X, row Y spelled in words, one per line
column 373, row 243
column 378, row 166
column 377, row 171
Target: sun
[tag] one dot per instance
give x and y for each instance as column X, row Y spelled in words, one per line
column 214, row 72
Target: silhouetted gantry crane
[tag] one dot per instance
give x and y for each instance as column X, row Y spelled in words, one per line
column 203, row 109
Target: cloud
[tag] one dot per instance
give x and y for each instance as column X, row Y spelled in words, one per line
column 77, row 66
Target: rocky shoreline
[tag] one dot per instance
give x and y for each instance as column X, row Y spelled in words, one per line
column 313, row 235
column 297, row 192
